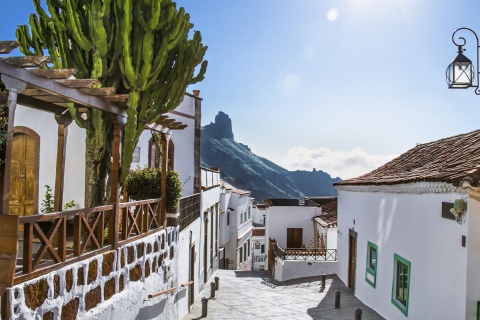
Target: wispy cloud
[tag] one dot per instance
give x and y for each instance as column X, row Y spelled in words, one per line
column 343, row 164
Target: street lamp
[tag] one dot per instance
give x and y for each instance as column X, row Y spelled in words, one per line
column 461, row 72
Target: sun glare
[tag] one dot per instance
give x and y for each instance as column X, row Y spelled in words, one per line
column 332, row 14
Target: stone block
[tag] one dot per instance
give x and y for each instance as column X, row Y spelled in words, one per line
column 92, row 271
column 56, row 286
column 93, row 298
column 68, row 280
column 107, row 264
column 130, row 254
column 136, row 273
column 36, row 293
column 70, row 310
column 109, row 289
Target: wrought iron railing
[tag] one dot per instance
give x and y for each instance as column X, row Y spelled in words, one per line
column 259, row 258
column 189, row 210
column 321, row 254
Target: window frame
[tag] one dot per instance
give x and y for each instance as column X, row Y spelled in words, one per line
column 368, row 269
column 402, row 305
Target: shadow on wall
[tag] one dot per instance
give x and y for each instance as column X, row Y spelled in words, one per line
column 153, row 311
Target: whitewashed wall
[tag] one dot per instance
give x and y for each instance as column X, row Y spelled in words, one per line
column 279, row 218
column 183, row 141
column 294, row 269
column 473, row 259
column 44, row 124
column 411, row 226
column 190, row 235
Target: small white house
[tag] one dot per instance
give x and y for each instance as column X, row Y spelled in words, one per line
column 235, row 227
column 408, row 239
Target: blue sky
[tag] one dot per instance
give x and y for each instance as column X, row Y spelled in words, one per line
column 337, row 85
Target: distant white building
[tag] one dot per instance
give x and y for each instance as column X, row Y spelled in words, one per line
column 400, row 248
column 235, row 228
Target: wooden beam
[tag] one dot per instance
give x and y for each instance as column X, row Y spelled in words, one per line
column 8, row 249
column 163, row 182
column 14, row 86
column 40, row 104
column 59, row 89
column 53, row 99
column 99, row 91
column 63, row 122
column 117, row 98
column 55, row 73
column 28, row 61
column 80, row 83
column 114, row 218
column 8, row 46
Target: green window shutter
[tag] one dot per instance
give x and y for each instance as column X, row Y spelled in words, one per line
column 372, row 261
column 401, row 283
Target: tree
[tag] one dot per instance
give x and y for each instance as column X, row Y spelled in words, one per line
column 140, row 47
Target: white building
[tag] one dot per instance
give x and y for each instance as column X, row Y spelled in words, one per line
column 400, row 248
column 236, row 228
column 297, row 251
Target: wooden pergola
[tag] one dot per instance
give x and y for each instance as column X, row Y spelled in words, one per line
column 31, row 84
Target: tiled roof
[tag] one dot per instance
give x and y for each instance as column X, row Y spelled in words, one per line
column 329, row 210
column 258, row 232
column 447, row 160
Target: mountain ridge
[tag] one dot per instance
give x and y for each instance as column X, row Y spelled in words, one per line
column 245, row 170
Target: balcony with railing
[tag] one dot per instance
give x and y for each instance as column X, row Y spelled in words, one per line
column 292, row 263
column 189, row 210
column 47, row 242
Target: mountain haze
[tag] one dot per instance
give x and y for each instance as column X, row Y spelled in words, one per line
column 245, row 170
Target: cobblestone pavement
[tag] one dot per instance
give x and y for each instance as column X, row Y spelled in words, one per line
column 255, row 295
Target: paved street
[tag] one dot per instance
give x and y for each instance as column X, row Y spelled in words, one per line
column 255, row 295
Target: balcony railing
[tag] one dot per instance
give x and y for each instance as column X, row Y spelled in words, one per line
column 259, row 258
column 53, row 240
column 317, row 254
column 189, row 210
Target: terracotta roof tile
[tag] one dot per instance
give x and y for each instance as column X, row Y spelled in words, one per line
column 447, row 160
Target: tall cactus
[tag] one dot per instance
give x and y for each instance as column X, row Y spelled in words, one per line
column 141, row 47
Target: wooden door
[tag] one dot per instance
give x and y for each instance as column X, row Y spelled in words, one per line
column 294, row 237
column 352, row 259
column 205, row 250
column 24, row 175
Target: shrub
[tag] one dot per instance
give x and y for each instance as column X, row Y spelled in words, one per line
column 142, row 184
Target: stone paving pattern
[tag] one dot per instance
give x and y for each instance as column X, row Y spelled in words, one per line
column 256, row 295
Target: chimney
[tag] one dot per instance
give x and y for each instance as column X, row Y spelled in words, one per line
column 196, row 93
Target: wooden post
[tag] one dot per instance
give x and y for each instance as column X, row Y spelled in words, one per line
column 14, row 86
column 114, row 218
column 163, row 183
column 63, row 121
column 8, row 257
column 197, row 182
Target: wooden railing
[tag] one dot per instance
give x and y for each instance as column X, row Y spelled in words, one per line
column 51, row 241
column 305, row 254
column 189, row 210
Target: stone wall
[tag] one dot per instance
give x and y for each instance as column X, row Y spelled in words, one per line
column 103, row 285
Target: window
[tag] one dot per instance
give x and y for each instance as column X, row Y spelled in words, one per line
column 241, row 254
column 248, row 246
column 244, row 252
column 371, row 270
column 228, row 218
column 401, row 283
column 249, row 213
column 257, row 245
column 262, row 250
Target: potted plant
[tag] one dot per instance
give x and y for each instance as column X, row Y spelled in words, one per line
column 145, row 183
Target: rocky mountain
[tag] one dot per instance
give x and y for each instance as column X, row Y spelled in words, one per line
column 245, row 170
